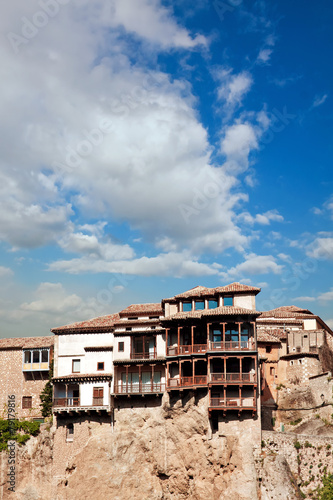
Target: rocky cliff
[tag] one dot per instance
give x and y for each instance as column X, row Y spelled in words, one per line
column 164, row 451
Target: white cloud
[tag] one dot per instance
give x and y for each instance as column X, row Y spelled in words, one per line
column 5, row 271
column 319, row 100
column 305, row 299
column 264, row 55
column 149, row 20
column 233, row 87
column 166, row 264
column 52, row 299
column 321, row 248
column 326, row 297
column 263, row 219
column 239, row 140
column 89, row 244
column 255, row 264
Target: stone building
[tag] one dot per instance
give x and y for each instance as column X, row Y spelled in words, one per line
column 83, row 366
column 24, row 370
column 294, row 345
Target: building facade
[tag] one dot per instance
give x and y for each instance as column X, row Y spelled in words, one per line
column 24, row 370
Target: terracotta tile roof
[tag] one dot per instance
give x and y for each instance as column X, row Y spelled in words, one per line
column 280, row 333
column 77, row 376
column 286, row 312
column 26, row 342
column 202, row 291
column 136, row 322
column 218, row 311
column 102, row 323
column 237, row 287
column 267, row 337
column 142, row 309
column 282, row 320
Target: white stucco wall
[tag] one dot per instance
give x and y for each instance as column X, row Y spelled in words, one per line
column 127, row 347
column 160, row 345
column 72, row 346
column 246, row 301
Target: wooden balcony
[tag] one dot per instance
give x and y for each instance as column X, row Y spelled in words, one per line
column 233, row 403
column 185, row 382
column 139, row 388
column 221, row 378
column 243, row 345
column 186, row 349
column 66, row 405
column 143, row 355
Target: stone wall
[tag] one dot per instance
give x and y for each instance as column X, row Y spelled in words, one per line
column 308, row 456
column 14, row 381
column 299, row 369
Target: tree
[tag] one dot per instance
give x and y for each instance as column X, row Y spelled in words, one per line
column 46, row 395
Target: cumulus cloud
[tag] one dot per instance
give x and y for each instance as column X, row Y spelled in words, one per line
column 263, row 219
column 254, row 265
column 233, row 87
column 166, row 264
column 326, row 296
column 5, row 271
column 52, row 298
column 321, row 248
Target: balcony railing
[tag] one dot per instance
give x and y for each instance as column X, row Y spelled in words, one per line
column 232, row 377
column 66, row 402
column 186, row 349
column 139, row 388
column 232, row 402
column 230, row 345
column 187, row 381
column 143, row 355
column 60, row 403
column 30, row 367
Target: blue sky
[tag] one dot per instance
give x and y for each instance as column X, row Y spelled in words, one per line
column 150, row 146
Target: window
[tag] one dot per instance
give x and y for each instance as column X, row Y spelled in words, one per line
column 98, row 396
column 187, row 306
column 100, row 366
column 128, row 328
column 268, row 349
column 76, row 366
column 199, row 305
column 45, row 356
column 27, row 356
column 228, row 301
column 26, row 402
column 69, row 432
column 133, row 318
column 272, row 371
column 35, row 356
column 291, row 362
column 120, row 346
column 212, row 304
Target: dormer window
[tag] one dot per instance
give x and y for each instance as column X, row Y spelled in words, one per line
column 228, row 300
column 212, row 304
column 187, row 306
column 199, row 305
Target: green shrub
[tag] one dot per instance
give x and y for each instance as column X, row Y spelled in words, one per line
column 297, row 445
